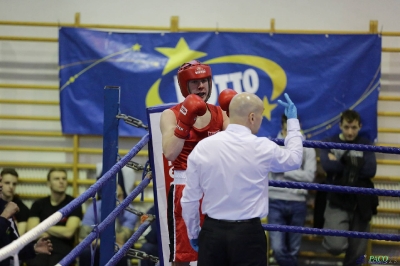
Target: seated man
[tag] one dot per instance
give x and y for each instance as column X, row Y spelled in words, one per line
column 125, row 224
column 10, row 181
column 9, row 233
column 62, row 234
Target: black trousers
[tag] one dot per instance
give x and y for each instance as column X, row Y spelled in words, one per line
column 232, row 243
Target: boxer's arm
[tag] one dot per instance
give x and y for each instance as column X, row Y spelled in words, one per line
column 171, row 145
column 224, row 99
column 225, row 120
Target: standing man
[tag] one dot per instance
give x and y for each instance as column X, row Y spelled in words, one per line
column 10, row 181
column 288, row 206
column 182, row 127
column 229, row 172
column 350, row 212
column 62, row 234
column 9, row 233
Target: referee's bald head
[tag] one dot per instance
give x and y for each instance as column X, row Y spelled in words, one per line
column 246, row 109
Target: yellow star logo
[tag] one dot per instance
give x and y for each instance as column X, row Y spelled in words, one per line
column 136, row 47
column 268, row 108
column 178, row 55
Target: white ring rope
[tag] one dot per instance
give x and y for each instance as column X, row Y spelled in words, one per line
column 33, row 234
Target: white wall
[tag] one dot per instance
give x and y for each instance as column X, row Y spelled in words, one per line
column 36, row 62
column 293, row 14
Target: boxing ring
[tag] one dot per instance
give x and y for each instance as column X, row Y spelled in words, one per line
column 161, row 174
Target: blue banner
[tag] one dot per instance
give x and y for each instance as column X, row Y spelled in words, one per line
column 323, row 74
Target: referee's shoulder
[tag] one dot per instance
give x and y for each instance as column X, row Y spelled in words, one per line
column 217, row 137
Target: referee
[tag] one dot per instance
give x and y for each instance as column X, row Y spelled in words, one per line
column 229, row 172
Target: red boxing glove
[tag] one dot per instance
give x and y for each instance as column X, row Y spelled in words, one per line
column 192, row 107
column 225, row 98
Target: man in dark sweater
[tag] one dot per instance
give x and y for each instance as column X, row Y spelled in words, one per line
column 62, row 233
column 9, row 233
column 351, row 212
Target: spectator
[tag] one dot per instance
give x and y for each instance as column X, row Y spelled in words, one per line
column 288, row 206
column 10, row 181
column 9, row 233
column 349, row 212
column 62, row 234
column 229, row 172
column 124, row 226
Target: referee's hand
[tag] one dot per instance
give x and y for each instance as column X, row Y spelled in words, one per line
column 195, row 244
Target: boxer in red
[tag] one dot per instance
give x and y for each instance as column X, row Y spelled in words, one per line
column 182, row 127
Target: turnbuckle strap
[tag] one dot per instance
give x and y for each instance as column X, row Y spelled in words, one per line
column 132, row 210
column 132, row 121
column 135, row 166
column 137, row 254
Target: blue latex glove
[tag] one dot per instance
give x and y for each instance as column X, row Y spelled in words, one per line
column 290, row 108
column 195, row 244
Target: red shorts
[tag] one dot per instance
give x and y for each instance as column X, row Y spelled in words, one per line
column 180, row 248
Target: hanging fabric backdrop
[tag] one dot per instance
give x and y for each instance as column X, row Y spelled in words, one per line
column 323, row 74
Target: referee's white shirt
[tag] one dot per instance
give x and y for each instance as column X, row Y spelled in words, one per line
column 231, row 170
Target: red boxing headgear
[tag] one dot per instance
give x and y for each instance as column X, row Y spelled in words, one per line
column 191, row 71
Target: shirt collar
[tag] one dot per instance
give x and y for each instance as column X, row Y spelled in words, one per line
column 238, row 128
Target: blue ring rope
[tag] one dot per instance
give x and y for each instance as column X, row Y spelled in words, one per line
column 333, row 188
column 110, row 218
column 343, row 146
column 310, row 144
column 121, row 253
column 100, row 182
column 330, row 232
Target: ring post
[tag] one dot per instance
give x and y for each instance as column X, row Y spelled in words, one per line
column 110, row 152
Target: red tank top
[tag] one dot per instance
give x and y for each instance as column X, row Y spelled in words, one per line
column 196, row 134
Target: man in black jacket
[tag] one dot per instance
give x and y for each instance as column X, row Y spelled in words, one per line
column 350, row 212
column 9, row 233
column 10, row 181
